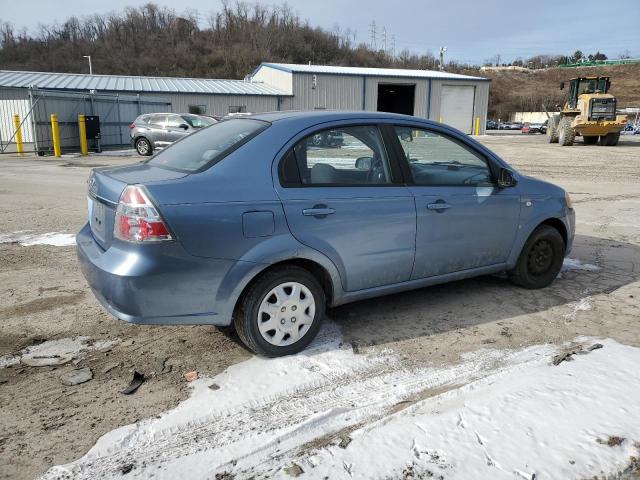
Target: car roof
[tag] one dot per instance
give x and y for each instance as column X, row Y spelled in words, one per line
column 308, row 118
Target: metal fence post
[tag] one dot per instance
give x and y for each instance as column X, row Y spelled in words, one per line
column 55, row 133
column 119, row 118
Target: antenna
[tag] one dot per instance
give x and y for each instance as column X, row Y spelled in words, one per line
column 442, row 51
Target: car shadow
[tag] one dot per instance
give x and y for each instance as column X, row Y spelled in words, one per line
column 468, row 303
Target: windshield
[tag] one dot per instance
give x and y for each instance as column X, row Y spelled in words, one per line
column 198, row 122
column 209, row 145
column 591, row 85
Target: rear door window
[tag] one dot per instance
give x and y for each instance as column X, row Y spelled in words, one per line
column 209, row 145
column 345, row 156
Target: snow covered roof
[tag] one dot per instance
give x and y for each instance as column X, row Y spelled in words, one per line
column 365, row 71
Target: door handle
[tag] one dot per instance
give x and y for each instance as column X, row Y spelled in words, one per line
column 438, row 206
column 318, row 211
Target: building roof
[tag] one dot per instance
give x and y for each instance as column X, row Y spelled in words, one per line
column 365, row 71
column 127, row 83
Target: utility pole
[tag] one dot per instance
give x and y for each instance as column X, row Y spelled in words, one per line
column 88, row 57
column 442, row 50
column 373, row 35
column 393, row 46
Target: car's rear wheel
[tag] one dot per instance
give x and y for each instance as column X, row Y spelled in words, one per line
column 143, row 147
column 540, row 260
column 281, row 312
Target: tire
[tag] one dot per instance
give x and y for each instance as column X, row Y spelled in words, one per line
column 540, row 260
column 254, row 308
column 566, row 133
column 143, row 147
column 612, row 139
column 590, row 140
column 552, row 130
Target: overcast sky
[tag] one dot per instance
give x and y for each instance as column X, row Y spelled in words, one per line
column 473, row 30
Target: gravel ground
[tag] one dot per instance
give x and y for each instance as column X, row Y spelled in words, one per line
column 44, row 297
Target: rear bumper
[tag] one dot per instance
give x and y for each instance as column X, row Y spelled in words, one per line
column 155, row 284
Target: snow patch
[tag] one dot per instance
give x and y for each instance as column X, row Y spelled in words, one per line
column 26, row 238
column 54, row 352
column 575, row 264
column 582, row 305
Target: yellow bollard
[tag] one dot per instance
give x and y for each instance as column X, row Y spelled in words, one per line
column 82, row 127
column 19, row 145
column 441, row 120
column 477, row 126
column 55, row 133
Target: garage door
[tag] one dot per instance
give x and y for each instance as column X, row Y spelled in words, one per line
column 456, row 106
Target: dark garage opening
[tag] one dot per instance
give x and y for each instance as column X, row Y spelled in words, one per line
column 396, row 98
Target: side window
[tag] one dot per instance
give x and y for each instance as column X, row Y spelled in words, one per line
column 342, row 156
column 157, row 120
column 174, row 121
column 438, row 160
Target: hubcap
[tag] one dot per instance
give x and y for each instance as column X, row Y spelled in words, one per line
column 540, row 257
column 286, row 314
column 143, row 147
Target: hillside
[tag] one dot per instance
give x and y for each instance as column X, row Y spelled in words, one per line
column 528, row 91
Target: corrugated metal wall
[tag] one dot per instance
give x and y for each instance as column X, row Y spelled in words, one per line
column 345, row 92
column 339, row 92
column 12, row 101
column 219, row 104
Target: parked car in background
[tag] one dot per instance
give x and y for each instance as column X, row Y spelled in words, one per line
column 158, row 130
column 530, row 128
column 249, row 223
column 492, row 125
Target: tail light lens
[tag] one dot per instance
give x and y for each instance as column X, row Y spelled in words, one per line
column 132, row 126
column 137, row 218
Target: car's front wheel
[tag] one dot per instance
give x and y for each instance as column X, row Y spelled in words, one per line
column 143, row 147
column 281, row 312
column 540, row 260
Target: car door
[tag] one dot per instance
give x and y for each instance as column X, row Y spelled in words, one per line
column 176, row 128
column 345, row 199
column 156, row 129
column 464, row 221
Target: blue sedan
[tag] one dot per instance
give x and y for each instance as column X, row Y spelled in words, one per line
column 254, row 223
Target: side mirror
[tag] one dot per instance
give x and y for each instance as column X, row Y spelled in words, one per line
column 506, row 179
column 561, row 85
column 183, row 126
column 364, row 163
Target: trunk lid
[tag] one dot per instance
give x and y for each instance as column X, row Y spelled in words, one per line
column 105, row 186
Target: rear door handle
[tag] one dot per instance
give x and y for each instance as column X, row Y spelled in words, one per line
column 438, row 206
column 318, row 212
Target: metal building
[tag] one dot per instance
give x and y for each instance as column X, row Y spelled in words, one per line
column 117, row 100
column 458, row 100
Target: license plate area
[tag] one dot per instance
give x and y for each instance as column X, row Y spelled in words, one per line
column 97, row 218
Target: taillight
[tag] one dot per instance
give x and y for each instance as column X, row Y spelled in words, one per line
column 132, row 126
column 137, row 219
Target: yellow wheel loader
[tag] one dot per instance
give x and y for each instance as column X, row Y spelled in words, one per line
column 589, row 112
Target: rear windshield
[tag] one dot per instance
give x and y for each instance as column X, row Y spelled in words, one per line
column 209, row 145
